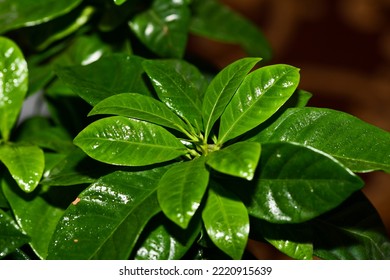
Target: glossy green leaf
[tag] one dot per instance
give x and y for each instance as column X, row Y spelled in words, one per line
column 97, row 81
column 137, row 106
column 352, row 231
column 166, row 241
column 294, row 240
column 15, row 14
column 181, row 190
column 25, row 164
column 180, row 86
column 358, row 145
column 129, row 142
column 106, row 219
column 222, row 88
column 260, row 95
column 216, row 21
column 13, row 84
column 11, row 237
column 36, row 216
column 226, row 221
column 239, row 159
column 164, row 27
column 300, row 98
column 297, row 183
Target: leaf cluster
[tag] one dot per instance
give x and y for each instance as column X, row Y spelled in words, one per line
column 174, row 161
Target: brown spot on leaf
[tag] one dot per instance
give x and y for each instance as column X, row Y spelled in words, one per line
column 77, row 200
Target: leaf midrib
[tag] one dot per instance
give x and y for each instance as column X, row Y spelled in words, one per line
column 165, row 118
column 386, row 167
column 226, row 219
column 238, row 119
column 87, row 139
column 136, row 206
column 194, row 105
column 207, row 128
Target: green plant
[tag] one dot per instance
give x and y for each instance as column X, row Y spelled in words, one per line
column 173, row 161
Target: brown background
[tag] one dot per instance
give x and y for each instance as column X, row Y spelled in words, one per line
column 343, row 50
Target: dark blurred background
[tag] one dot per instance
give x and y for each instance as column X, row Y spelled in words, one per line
column 343, row 50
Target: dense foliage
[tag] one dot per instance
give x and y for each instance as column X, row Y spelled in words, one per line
column 148, row 155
